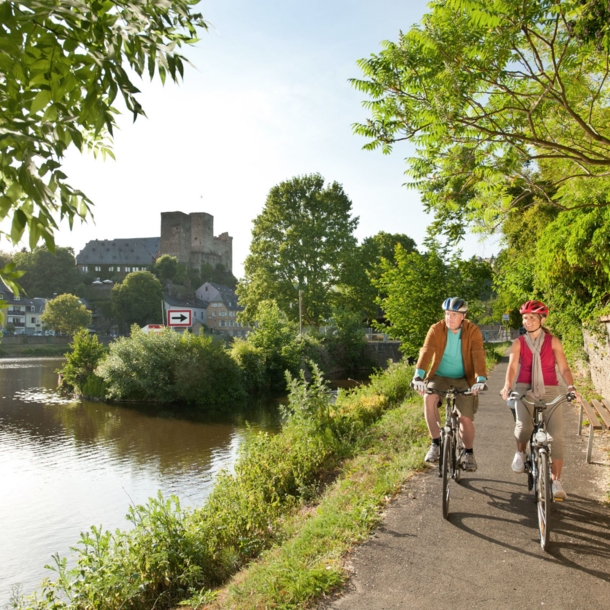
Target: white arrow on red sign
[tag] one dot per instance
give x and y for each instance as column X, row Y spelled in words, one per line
column 179, row 317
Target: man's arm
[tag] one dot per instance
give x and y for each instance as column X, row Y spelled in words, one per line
column 426, row 353
column 477, row 348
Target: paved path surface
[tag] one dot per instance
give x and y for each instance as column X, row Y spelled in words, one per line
column 488, row 555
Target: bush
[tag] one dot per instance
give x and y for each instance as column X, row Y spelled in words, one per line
column 168, row 367
column 346, row 343
column 85, row 354
column 251, row 362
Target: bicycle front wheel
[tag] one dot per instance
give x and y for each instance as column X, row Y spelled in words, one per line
column 543, row 498
column 446, row 472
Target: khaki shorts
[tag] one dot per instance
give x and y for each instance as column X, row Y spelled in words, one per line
column 466, row 405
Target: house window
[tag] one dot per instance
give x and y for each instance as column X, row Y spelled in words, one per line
column 136, row 269
column 127, row 269
column 17, row 299
column 84, row 268
column 110, row 268
column 213, row 314
column 232, row 314
column 231, row 323
column 222, row 313
column 33, row 320
column 222, row 323
column 98, row 268
column 118, row 269
column 1, row 296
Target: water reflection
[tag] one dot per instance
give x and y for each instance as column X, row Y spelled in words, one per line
column 68, row 465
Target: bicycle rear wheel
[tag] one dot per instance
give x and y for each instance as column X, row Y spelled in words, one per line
column 543, row 498
column 458, row 451
column 446, row 471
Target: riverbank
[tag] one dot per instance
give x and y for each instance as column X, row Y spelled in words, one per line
column 24, row 346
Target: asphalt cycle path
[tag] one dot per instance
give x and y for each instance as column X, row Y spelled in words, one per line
column 488, row 555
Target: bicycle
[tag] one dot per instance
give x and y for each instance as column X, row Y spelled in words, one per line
column 451, row 461
column 538, row 461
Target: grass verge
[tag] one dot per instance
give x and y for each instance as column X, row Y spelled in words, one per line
column 310, row 563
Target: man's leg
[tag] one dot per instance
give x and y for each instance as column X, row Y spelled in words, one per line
column 467, row 432
column 431, row 414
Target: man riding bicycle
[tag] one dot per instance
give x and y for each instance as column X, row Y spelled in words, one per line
column 454, row 351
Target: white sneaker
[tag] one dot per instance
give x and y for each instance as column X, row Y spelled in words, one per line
column 558, row 491
column 433, row 454
column 518, row 464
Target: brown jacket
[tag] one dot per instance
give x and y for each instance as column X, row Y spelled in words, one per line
column 473, row 351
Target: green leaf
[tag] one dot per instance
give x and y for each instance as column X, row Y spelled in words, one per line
column 40, row 101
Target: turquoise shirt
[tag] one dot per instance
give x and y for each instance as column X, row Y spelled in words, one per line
column 452, row 363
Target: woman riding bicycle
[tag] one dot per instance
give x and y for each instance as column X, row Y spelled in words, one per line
column 534, row 356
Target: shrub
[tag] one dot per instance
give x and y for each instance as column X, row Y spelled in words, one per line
column 85, row 354
column 168, row 367
column 251, row 362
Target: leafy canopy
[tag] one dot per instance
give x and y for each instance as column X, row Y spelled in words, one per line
column 492, row 93
column 416, row 286
column 303, row 240
column 48, row 273
column 138, row 300
column 66, row 314
column 62, row 67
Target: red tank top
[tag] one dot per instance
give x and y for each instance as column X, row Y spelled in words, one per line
column 547, row 357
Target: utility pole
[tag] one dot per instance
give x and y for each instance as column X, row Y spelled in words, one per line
column 300, row 312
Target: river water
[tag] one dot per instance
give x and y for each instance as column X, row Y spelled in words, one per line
column 68, row 465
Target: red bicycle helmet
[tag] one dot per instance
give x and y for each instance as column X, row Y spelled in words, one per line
column 534, row 307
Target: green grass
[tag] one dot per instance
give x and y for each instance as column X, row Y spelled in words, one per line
column 495, row 352
column 310, row 562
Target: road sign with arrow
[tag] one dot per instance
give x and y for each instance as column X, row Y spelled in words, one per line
column 179, row 317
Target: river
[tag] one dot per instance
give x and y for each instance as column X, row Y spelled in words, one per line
column 68, row 465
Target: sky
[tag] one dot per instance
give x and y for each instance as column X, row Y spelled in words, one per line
column 267, row 98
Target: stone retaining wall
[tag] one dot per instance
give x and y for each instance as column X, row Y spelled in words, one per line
column 597, row 346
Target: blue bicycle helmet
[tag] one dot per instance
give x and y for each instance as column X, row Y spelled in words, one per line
column 455, row 304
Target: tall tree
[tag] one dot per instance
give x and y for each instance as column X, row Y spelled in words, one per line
column 361, row 292
column 66, row 314
column 137, row 300
column 492, row 92
column 303, row 240
column 48, row 273
column 62, row 66
column 416, row 286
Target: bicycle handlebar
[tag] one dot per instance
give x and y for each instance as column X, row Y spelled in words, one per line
column 569, row 397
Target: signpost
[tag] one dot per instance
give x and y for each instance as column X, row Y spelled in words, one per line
column 179, row 317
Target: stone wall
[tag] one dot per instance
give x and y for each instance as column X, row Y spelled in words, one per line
column 597, row 346
column 380, row 352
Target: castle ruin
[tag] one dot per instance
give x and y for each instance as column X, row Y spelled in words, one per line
column 190, row 238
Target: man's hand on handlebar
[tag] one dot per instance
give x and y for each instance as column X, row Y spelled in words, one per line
column 419, row 385
column 479, row 386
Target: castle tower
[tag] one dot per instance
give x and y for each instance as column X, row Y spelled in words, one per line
column 190, row 238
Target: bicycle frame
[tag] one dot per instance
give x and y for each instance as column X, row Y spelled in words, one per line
column 451, row 454
column 538, row 461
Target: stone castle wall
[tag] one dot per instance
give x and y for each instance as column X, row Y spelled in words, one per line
column 190, row 238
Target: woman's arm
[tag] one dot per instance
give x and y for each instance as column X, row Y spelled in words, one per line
column 513, row 367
